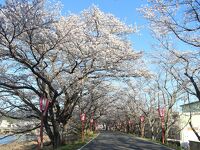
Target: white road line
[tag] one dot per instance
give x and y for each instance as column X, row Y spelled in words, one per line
column 89, row 142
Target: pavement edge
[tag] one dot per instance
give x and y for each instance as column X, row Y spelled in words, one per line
column 139, row 138
column 89, row 142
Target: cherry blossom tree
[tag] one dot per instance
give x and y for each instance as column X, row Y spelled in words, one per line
column 184, row 67
column 146, row 96
column 180, row 18
column 44, row 54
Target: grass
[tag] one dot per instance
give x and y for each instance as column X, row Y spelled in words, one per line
column 72, row 146
column 78, row 144
column 173, row 146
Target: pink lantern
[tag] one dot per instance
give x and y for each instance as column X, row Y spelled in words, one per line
column 142, row 118
column 44, row 103
column 129, row 122
column 91, row 120
column 161, row 112
column 83, row 117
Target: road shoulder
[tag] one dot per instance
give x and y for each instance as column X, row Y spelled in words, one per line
column 89, row 142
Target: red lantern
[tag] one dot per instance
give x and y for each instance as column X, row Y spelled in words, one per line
column 142, row 118
column 129, row 122
column 161, row 112
column 44, row 103
column 91, row 121
column 83, row 117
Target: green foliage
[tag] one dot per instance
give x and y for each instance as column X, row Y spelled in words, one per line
column 173, row 146
column 73, row 146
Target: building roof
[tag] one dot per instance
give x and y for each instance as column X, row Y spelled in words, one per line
column 190, row 103
column 191, row 107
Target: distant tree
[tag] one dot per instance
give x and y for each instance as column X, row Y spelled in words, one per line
column 96, row 100
column 181, row 19
column 184, row 67
column 146, row 96
column 169, row 94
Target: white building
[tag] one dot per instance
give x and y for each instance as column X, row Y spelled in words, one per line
column 191, row 112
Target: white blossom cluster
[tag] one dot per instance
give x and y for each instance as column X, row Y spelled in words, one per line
column 42, row 51
column 174, row 17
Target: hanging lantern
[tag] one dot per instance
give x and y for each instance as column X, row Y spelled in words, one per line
column 83, row 117
column 91, row 121
column 142, row 118
column 44, row 103
column 161, row 112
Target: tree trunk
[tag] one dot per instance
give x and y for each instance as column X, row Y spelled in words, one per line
column 142, row 129
column 55, row 136
column 56, row 140
column 127, row 128
column 152, row 133
column 54, row 131
column 166, row 134
column 106, row 127
column 195, row 132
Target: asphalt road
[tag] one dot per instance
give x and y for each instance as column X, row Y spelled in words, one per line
column 120, row 141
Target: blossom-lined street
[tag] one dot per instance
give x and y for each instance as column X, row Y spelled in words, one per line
column 121, row 141
column 69, row 69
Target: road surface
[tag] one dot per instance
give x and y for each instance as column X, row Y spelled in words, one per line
column 120, row 141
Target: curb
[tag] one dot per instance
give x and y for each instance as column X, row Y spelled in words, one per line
column 89, row 142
